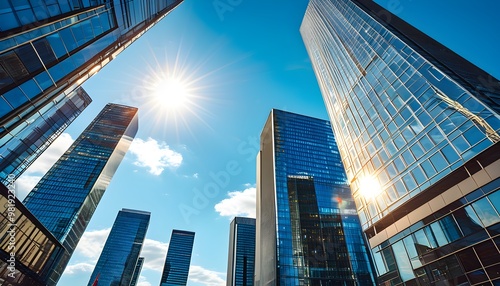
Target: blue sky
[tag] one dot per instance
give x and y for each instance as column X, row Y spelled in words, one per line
column 193, row 167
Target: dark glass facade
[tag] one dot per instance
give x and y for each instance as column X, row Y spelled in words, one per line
column 49, row 48
column 22, row 145
column 418, row 132
column 137, row 272
column 308, row 232
column 68, row 194
column 120, row 255
column 26, row 246
column 241, row 260
column 176, row 268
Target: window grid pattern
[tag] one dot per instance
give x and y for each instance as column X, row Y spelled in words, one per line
column 65, row 198
column 21, row 13
column 31, row 67
column 305, row 151
column 176, row 268
column 396, row 116
column 33, row 243
column 460, row 242
column 120, row 255
column 241, row 252
column 20, row 147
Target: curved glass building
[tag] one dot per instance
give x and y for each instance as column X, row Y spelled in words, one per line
column 418, row 131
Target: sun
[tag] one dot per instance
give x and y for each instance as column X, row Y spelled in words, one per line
column 369, row 187
column 171, row 93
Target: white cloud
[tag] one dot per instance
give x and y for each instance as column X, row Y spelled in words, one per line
column 26, row 182
column 79, row 268
column 154, row 155
column 239, row 203
column 52, row 154
column 207, row 277
column 143, row 281
column 154, row 253
column 92, row 242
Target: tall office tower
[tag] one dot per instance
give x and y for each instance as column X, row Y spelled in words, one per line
column 21, row 146
column 47, row 50
column 66, row 197
column 137, row 271
column 176, row 268
column 307, row 231
column 417, row 127
column 241, row 260
column 120, row 255
column 26, row 246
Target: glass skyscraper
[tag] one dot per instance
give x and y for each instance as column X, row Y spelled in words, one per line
column 307, row 231
column 20, row 146
column 66, row 197
column 176, row 268
column 47, row 50
column 417, row 128
column 137, row 271
column 120, row 255
column 241, row 258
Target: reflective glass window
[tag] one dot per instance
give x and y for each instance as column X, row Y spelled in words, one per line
column 13, row 65
column 460, row 144
column 45, row 52
column 486, row 212
column 450, row 228
column 26, row 16
column 43, row 80
column 56, row 44
column 30, row 88
column 68, row 39
column 411, row 248
column 379, row 262
column 450, row 154
column 29, row 58
column 438, row 162
column 15, row 97
column 4, row 107
column 495, row 200
column 439, row 234
column 467, row 220
column 5, row 79
column 403, row 263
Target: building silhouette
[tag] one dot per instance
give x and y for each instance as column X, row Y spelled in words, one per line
column 66, row 197
column 307, row 229
column 176, row 268
column 417, row 128
column 241, row 258
column 119, row 260
column 47, row 50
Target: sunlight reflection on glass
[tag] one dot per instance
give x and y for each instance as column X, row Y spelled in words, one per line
column 369, row 187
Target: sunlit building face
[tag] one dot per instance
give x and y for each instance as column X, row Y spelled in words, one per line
column 417, row 128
